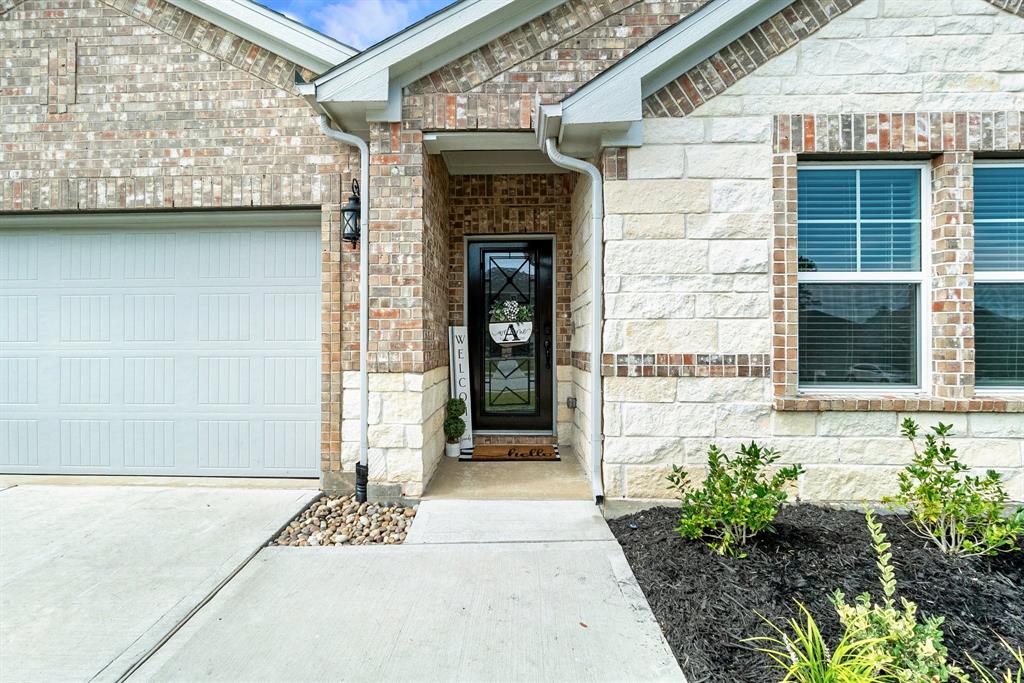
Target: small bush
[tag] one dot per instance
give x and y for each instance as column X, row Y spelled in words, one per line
column 909, row 651
column 961, row 514
column 805, row 657
column 454, row 426
column 739, row 498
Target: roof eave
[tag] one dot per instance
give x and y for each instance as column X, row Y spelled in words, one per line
column 271, row 30
column 610, row 107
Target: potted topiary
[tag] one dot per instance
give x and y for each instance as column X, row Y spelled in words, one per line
column 454, row 427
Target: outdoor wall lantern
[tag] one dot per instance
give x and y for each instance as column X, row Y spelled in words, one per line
column 350, row 217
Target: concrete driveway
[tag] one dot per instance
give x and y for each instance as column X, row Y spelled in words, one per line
column 481, row 591
column 92, row 577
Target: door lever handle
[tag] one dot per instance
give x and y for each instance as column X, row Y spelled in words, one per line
column 547, row 352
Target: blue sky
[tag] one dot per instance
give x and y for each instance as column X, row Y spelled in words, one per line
column 359, row 23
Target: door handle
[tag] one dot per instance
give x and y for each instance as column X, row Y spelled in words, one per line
column 547, row 352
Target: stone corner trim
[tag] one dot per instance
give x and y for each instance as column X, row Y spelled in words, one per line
column 743, row 56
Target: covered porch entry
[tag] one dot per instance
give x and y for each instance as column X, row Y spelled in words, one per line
column 508, row 219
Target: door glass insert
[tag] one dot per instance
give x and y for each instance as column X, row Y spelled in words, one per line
column 510, row 297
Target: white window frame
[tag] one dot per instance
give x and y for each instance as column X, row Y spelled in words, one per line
column 998, row 276
column 922, row 278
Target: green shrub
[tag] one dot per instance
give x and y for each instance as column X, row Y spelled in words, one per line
column 909, row 651
column 739, row 498
column 959, row 513
column 454, row 426
column 805, row 657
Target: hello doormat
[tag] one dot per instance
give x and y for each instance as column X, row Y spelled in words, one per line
column 510, row 452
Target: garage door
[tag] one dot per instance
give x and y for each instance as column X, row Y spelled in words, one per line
column 156, row 344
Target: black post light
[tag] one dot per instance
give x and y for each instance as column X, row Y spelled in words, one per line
column 350, row 217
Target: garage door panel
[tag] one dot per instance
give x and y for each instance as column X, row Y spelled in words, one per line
column 191, row 351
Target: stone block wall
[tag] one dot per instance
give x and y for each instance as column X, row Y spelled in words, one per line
column 117, row 105
column 581, row 375
column 689, row 344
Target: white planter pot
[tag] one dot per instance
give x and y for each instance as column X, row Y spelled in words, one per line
column 510, row 334
column 453, row 450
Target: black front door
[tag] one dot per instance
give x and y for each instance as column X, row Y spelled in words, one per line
column 509, row 283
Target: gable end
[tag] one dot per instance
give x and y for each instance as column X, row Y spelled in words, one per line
column 213, row 40
column 557, row 52
column 714, row 75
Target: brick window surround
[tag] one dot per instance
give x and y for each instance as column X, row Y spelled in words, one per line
column 950, row 140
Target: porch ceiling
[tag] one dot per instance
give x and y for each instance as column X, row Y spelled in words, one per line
column 489, row 153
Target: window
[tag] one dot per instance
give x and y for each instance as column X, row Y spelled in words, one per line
column 999, row 274
column 861, row 277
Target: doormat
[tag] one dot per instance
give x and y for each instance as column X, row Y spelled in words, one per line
column 510, row 452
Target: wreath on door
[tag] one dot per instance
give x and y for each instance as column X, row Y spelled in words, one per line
column 510, row 323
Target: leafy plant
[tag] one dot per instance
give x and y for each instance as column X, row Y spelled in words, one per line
column 805, row 657
column 510, row 311
column 739, row 498
column 961, row 514
column 909, row 651
column 454, row 426
column 988, row 676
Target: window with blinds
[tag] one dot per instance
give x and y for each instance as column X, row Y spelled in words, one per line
column 860, row 276
column 999, row 274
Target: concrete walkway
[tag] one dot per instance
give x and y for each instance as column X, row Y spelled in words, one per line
column 482, row 591
column 92, row 577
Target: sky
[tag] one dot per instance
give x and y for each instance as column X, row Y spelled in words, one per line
column 359, row 23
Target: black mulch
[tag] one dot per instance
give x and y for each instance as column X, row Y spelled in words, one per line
column 706, row 604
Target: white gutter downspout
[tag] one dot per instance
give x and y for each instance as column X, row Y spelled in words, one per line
column 362, row 469
column 596, row 307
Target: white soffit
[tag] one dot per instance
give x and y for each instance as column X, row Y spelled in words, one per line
column 609, row 109
column 271, row 30
column 371, row 83
column 477, row 141
column 497, row 162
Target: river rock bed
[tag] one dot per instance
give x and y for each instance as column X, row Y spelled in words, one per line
column 340, row 520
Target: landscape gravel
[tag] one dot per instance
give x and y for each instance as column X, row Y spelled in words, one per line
column 340, row 520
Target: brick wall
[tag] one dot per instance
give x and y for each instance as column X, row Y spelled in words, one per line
column 509, row 205
column 135, row 104
column 701, row 200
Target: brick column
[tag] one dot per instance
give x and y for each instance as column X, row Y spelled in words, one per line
column 952, row 246
column 785, row 292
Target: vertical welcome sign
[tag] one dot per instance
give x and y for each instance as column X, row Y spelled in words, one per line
column 458, row 375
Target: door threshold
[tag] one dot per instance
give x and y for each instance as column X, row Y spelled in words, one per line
column 514, row 432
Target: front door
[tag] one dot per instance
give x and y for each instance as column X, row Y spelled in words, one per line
column 508, row 313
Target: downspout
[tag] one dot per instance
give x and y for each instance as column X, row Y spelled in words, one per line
column 596, row 306
column 362, row 468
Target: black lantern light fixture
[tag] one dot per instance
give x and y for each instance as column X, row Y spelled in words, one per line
column 350, row 217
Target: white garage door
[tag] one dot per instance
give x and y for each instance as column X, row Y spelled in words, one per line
column 161, row 345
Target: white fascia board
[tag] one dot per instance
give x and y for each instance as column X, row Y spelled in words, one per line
column 617, row 95
column 423, row 48
column 271, row 30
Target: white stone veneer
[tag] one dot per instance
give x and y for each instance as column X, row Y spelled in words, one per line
column 688, row 246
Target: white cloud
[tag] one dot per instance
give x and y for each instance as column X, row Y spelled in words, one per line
column 362, row 23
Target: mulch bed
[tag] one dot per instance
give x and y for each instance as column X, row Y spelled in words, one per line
column 706, row 604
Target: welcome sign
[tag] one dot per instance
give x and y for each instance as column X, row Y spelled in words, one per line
column 458, row 376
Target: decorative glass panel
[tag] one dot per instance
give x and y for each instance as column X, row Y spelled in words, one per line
column 859, row 220
column 998, row 218
column 510, row 374
column 999, row 334
column 858, row 334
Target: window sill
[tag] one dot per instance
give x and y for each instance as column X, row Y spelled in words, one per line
column 1003, row 403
